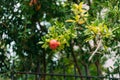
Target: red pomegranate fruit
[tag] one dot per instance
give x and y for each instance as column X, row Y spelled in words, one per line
column 54, row 44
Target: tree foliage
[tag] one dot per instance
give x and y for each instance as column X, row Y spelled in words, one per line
column 87, row 31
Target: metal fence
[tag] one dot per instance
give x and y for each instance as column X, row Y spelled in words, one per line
column 52, row 75
column 57, row 70
column 55, row 76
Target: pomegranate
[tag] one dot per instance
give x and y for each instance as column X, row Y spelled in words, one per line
column 54, row 44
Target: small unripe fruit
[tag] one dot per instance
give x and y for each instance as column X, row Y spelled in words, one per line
column 33, row 2
column 38, row 7
column 54, row 44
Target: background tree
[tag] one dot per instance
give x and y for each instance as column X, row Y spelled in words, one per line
column 87, row 31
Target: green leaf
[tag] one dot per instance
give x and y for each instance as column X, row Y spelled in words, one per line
column 89, row 38
column 45, row 46
column 40, row 42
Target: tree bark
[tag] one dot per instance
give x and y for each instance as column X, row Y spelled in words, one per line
column 75, row 60
column 87, row 71
column 99, row 72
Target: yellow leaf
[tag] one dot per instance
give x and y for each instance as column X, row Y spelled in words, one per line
column 80, row 6
column 70, row 20
column 75, row 6
column 93, row 28
column 77, row 17
column 81, row 21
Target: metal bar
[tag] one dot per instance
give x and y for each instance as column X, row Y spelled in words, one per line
column 39, row 71
column 12, row 72
column 67, row 75
column 109, row 74
column 12, row 76
column 119, row 71
column 64, row 72
column 26, row 76
column 51, row 70
column 75, row 73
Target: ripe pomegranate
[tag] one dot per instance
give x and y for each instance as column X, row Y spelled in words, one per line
column 54, row 44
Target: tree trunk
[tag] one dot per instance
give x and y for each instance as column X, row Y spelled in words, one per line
column 75, row 60
column 97, row 64
column 87, row 71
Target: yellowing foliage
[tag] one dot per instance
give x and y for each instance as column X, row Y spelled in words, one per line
column 100, row 30
column 80, row 14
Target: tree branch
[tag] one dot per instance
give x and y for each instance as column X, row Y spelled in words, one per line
column 99, row 72
column 75, row 60
column 99, row 44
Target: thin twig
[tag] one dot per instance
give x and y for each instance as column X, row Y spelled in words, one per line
column 99, row 44
column 4, row 25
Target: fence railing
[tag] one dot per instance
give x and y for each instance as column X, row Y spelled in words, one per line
column 65, row 76
column 55, row 72
column 53, row 76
